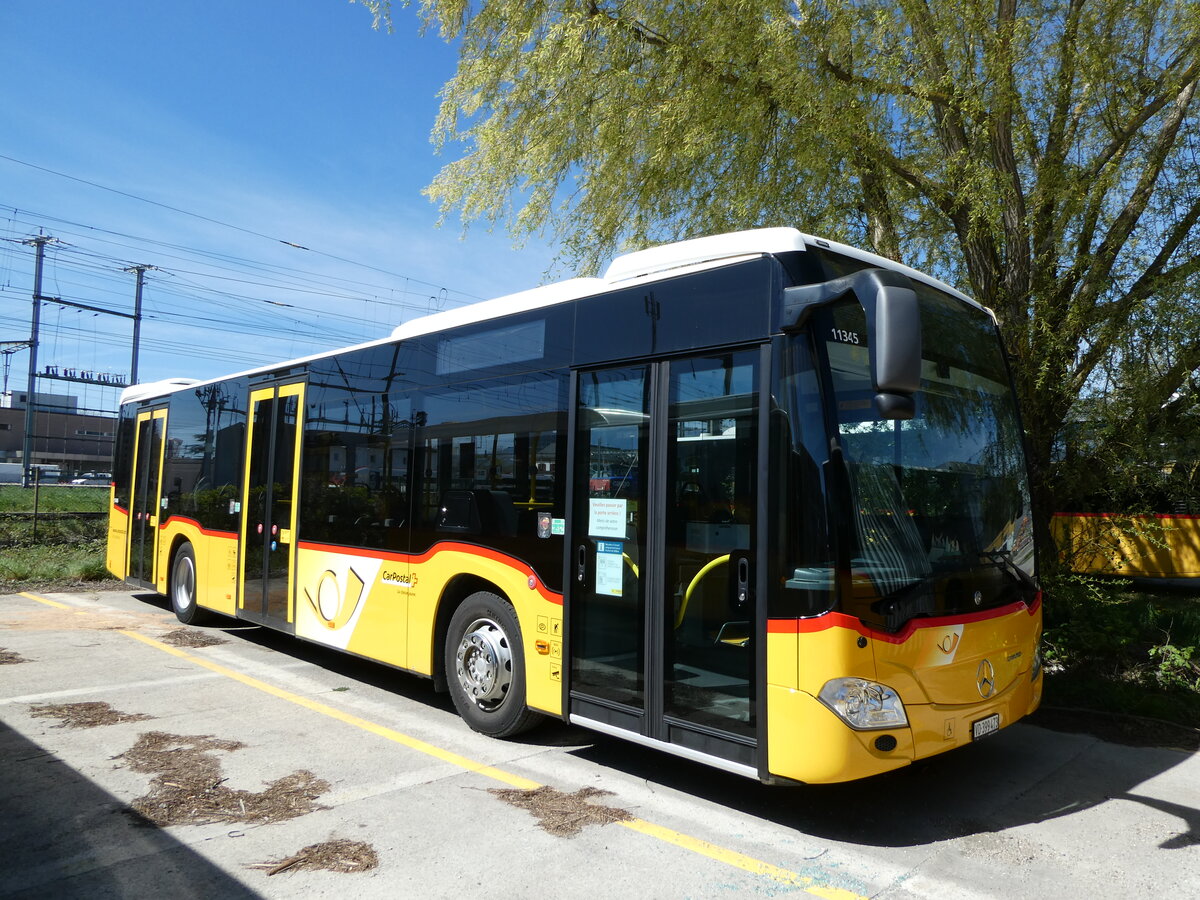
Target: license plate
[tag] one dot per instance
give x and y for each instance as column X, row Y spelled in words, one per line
column 985, row 727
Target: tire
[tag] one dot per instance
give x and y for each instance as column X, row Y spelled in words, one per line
column 182, row 587
column 485, row 667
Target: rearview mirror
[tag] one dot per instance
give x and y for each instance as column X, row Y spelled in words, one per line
column 893, row 330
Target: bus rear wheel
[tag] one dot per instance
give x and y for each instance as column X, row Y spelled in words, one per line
column 183, row 587
column 485, row 666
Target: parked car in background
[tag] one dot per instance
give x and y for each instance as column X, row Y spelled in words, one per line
column 93, row 478
column 14, row 473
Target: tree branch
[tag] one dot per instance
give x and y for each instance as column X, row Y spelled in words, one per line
column 881, row 224
column 1049, row 169
column 896, row 89
column 1115, row 315
column 1016, row 236
column 1118, row 233
column 1145, row 113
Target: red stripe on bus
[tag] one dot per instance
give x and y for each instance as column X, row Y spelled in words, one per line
column 207, row 532
column 841, row 620
column 1081, row 515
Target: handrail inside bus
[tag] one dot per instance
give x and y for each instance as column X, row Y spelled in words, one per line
column 687, row 595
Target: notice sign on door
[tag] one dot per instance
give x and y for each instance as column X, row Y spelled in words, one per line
column 607, row 518
column 608, row 567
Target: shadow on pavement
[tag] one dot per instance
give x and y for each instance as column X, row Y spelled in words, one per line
column 68, row 838
column 1023, row 775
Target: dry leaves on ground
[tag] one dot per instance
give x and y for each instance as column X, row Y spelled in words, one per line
column 91, row 714
column 188, row 787
column 563, row 815
column 187, row 637
column 331, row 856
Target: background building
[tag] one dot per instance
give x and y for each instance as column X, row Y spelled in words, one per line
column 75, row 441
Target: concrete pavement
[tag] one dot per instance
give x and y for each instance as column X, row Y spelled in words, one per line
column 1026, row 814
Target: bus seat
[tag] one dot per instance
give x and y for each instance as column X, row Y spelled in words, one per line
column 477, row 511
column 497, row 512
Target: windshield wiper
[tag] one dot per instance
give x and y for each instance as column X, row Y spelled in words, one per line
column 909, row 602
column 1003, row 559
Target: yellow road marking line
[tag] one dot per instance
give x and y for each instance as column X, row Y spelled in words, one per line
column 53, row 603
column 382, row 731
column 641, row 826
column 738, row 860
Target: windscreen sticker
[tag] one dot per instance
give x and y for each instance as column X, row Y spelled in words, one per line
column 607, row 517
column 608, row 568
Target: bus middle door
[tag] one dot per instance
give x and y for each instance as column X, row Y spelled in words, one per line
column 661, row 607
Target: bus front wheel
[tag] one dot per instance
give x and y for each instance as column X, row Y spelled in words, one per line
column 485, row 666
column 183, row 587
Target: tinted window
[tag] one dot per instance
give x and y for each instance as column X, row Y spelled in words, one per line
column 203, row 454
column 710, row 309
column 520, row 343
column 489, row 463
column 939, row 504
column 123, row 456
column 357, row 431
column 801, row 557
column 509, row 343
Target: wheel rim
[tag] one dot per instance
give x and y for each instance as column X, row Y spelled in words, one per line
column 484, row 664
column 184, row 583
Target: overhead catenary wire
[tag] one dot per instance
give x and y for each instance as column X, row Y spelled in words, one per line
column 365, row 290
column 201, row 217
column 295, row 281
column 210, row 299
column 311, row 316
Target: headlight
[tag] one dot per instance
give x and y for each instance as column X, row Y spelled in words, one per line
column 1036, row 668
column 864, row 705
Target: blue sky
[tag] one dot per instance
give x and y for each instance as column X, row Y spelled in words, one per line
column 256, row 122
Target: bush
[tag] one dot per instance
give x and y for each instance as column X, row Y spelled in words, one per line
column 1111, row 647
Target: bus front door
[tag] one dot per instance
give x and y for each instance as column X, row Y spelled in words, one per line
column 146, row 500
column 269, row 505
column 661, row 606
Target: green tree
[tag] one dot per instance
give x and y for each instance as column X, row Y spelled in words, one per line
column 1041, row 155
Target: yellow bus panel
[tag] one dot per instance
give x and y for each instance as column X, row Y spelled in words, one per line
column 949, row 674
column 1150, row 546
column 384, row 606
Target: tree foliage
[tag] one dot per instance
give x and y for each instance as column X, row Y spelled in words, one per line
column 1041, row 155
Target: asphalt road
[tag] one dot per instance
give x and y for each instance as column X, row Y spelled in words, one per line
column 297, row 747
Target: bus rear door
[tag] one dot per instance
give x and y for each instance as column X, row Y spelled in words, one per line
column 146, row 500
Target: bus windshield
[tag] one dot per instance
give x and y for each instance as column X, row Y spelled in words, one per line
column 931, row 516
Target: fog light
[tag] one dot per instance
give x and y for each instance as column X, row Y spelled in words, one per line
column 885, row 743
column 864, row 705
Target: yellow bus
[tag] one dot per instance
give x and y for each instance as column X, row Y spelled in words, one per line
column 1155, row 548
column 758, row 500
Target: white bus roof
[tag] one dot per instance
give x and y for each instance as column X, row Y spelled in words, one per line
column 155, row 388
column 642, row 266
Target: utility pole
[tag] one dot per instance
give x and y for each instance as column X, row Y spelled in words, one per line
column 39, row 243
column 137, row 319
